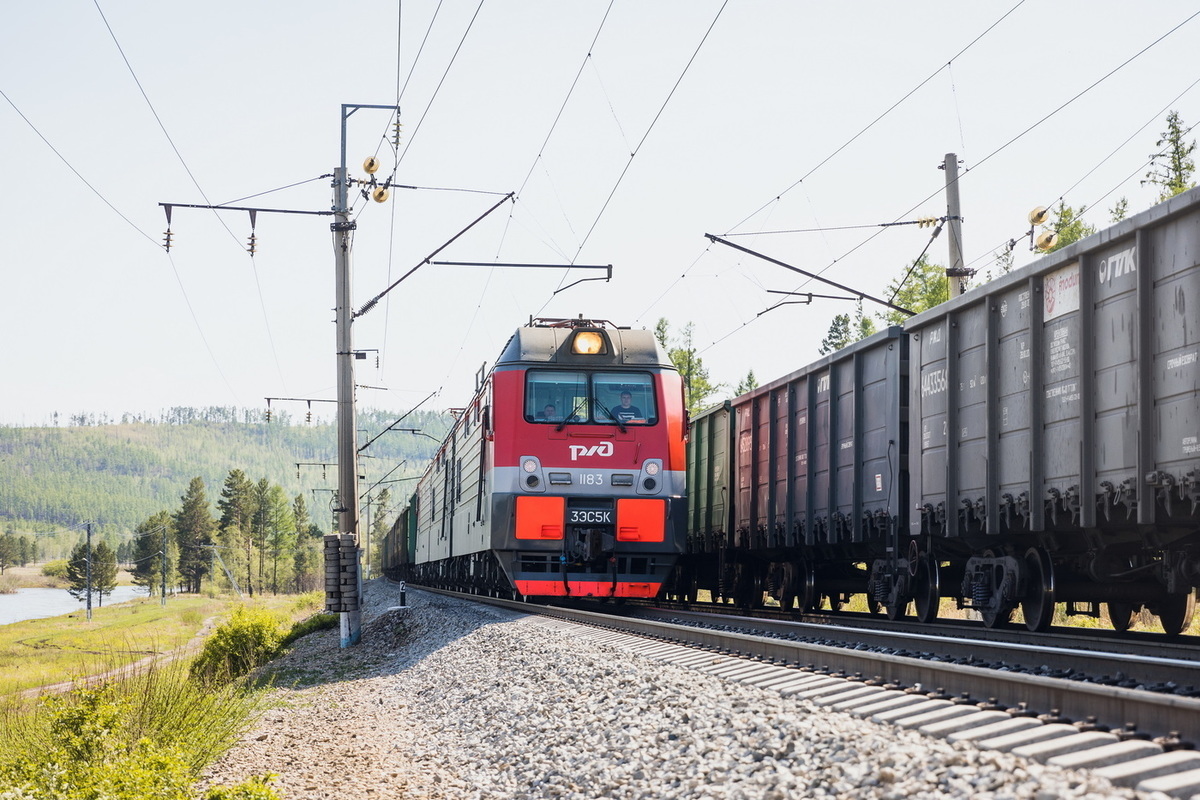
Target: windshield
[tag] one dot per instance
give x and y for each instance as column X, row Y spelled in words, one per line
column 601, row 398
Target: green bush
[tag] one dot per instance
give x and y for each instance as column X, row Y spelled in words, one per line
column 55, row 569
column 249, row 638
column 94, row 743
column 255, row 788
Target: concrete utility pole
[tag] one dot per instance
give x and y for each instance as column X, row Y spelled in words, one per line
column 163, row 561
column 88, row 564
column 956, row 273
column 347, row 508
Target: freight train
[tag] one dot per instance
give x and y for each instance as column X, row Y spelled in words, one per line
column 563, row 477
column 1034, row 443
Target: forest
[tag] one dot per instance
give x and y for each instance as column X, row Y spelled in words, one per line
column 117, row 475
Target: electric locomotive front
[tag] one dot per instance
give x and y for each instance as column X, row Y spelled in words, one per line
column 587, row 487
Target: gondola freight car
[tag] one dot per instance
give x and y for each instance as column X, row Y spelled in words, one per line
column 564, row 476
column 1034, row 443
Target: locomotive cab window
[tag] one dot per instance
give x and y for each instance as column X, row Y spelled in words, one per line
column 554, row 396
column 600, row 398
column 624, row 396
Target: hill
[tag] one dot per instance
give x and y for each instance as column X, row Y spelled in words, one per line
column 117, row 474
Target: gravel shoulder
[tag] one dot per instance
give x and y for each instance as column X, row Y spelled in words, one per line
column 452, row 700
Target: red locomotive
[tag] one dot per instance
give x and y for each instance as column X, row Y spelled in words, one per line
column 563, row 477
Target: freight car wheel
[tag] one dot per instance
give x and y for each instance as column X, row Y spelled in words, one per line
column 1176, row 613
column 927, row 589
column 1120, row 615
column 1038, row 607
column 748, row 591
column 809, row 599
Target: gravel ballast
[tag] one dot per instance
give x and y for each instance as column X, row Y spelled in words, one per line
column 452, row 700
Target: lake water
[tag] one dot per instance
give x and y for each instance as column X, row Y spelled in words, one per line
column 42, row 603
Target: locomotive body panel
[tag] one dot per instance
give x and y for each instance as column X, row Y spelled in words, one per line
column 566, row 474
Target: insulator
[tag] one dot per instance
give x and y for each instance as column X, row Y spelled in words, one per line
column 397, row 130
column 308, row 417
column 268, row 415
column 167, row 239
column 253, row 242
column 371, row 165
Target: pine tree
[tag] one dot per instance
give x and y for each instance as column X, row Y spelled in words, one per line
column 1119, row 211
column 194, row 530
column 280, row 533
column 10, row 551
column 238, row 506
column 104, row 571
column 696, row 384
column 746, row 384
column 838, row 335
column 148, row 555
column 1172, row 166
column 77, row 571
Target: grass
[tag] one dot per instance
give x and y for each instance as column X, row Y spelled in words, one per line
column 38, row 652
column 41, row 652
column 149, row 733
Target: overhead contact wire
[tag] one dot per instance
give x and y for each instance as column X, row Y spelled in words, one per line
column 1023, row 133
column 856, row 136
column 646, row 135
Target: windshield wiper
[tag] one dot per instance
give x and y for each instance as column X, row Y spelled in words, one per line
column 611, row 415
column 568, row 417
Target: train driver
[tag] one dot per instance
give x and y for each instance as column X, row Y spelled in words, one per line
column 549, row 414
column 627, row 411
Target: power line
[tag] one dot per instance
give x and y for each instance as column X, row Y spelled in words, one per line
column 1010, row 243
column 828, row 158
column 437, row 90
column 877, row 119
column 77, row 173
column 566, row 99
column 640, row 143
column 1023, row 133
column 646, row 135
column 196, row 183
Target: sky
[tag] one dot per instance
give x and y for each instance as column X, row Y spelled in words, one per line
column 627, row 131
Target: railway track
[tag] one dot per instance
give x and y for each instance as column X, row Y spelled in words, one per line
column 1158, row 663
column 851, row 666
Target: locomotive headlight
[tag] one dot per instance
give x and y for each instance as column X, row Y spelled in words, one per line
column 652, row 468
column 587, row 343
column 529, row 465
